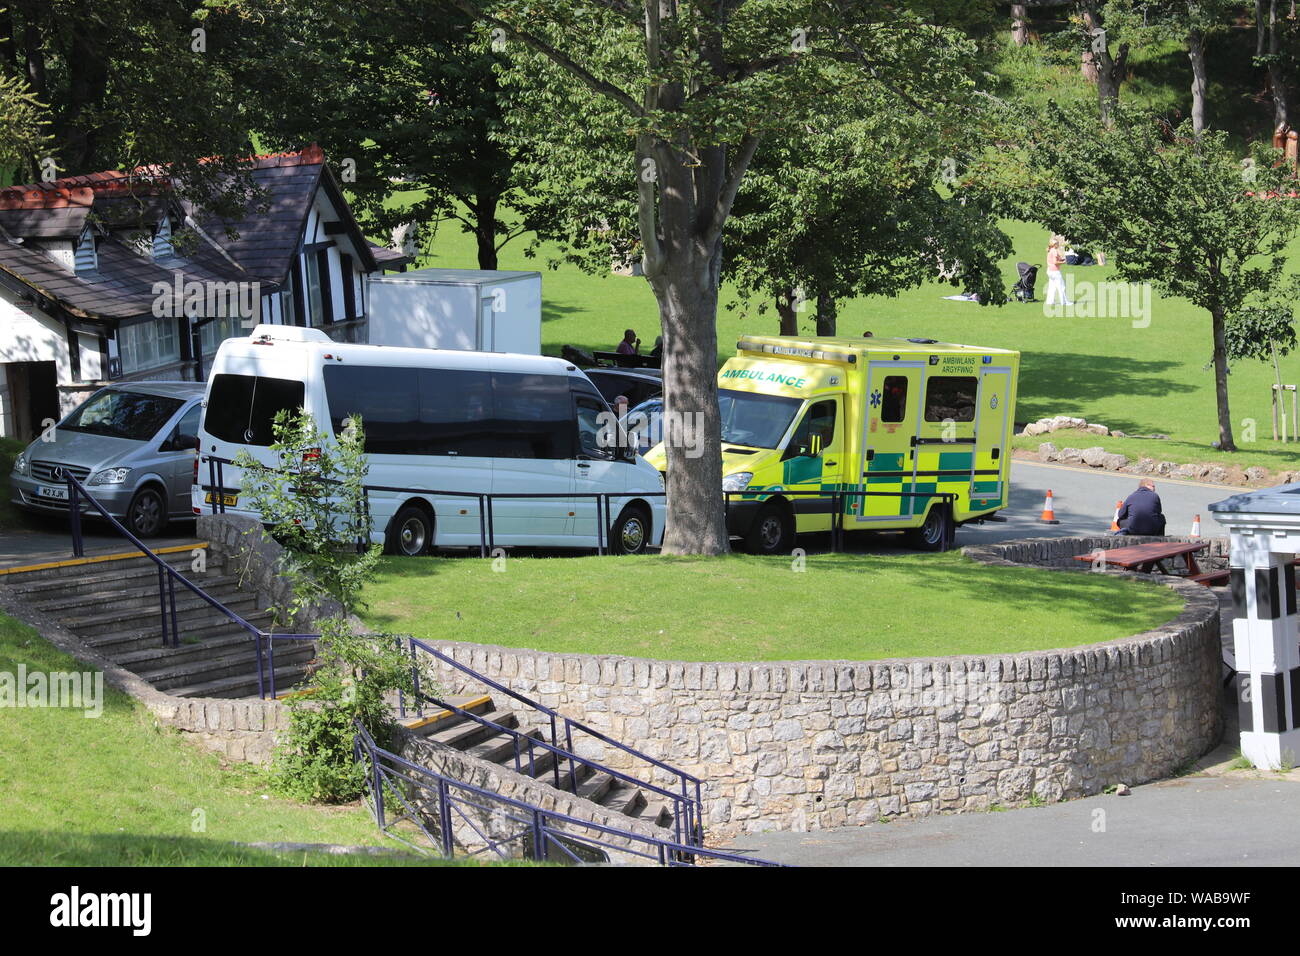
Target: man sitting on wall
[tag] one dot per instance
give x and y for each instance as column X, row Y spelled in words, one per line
column 1141, row 512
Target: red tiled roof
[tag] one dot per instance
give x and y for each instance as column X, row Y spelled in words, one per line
column 82, row 190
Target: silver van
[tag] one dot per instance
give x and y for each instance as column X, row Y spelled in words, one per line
column 132, row 445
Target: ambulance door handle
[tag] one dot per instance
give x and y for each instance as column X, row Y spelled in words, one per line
column 996, row 452
column 831, row 464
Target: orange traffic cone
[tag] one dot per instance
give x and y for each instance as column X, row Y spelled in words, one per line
column 1114, row 522
column 1048, row 516
column 1196, row 527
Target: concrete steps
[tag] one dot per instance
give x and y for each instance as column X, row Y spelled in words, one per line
column 113, row 606
column 498, row 746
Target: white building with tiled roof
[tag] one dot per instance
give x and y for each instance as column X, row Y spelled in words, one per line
column 110, row 276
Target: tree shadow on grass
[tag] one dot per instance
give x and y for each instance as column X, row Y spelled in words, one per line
column 1062, row 383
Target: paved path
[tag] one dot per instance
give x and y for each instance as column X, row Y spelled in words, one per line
column 47, row 538
column 1235, row 820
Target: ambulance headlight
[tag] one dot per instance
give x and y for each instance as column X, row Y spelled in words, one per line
column 20, row 464
column 738, row 481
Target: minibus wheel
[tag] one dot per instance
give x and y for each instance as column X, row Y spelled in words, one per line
column 410, row 533
column 936, row 532
column 631, row 532
column 771, row 533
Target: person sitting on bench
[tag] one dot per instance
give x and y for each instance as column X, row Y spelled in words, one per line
column 1141, row 512
column 631, row 345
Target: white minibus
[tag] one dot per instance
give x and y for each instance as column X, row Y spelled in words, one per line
column 441, row 420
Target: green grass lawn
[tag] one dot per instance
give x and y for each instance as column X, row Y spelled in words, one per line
column 115, row 790
column 1143, row 380
column 744, row 608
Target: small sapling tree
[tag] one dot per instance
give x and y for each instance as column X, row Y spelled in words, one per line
column 313, row 498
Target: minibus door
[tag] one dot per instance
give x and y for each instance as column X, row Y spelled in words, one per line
column 598, row 468
column 891, row 420
column 989, row 462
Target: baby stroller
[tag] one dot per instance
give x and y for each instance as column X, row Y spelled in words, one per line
column 1023, row 290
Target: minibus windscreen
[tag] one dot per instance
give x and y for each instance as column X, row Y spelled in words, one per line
column 753, row 419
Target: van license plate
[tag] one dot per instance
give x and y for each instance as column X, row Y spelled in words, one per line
column 227, row 501
column 59, row 493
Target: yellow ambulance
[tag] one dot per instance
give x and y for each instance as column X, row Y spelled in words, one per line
column 910, row 417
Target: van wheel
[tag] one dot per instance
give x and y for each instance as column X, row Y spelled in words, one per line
column 631, row 532
column 771, row 533
column 146, row 515
column 410, row 533
column 935, row 533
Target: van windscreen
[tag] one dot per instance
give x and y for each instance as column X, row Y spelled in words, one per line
column 755, row 419
column 242, row 408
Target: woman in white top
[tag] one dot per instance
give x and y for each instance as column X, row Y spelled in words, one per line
column 1055, row 281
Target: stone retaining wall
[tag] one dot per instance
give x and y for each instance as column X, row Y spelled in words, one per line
column 806, row 745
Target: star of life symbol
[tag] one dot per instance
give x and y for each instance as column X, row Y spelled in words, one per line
column 875, row 399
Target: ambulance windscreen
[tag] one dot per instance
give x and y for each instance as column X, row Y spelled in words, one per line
column 753, row 419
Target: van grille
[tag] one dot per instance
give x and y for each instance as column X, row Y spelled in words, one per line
column 44, row 471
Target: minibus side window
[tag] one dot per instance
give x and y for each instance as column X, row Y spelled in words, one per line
column 893, row 399
column 593, row 426
column 950, row 398
column 242, row 408
column 456, row 415
column 533, row 416
column 387, row 399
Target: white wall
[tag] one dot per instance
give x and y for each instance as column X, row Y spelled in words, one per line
column 34, row 337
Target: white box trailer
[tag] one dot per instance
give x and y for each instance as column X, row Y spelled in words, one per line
column 465, row 309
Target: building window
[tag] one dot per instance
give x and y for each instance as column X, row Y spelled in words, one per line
column 218, row 330
column 148, row 344
column 315, row 307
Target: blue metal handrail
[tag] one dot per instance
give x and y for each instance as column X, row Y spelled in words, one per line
column 216, row 488
column 688, row 811
column 548, row 829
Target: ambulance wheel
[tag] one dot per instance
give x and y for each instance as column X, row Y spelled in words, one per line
column 936, row 532
column 410, row 533
column 771, row 533
column 631, row 532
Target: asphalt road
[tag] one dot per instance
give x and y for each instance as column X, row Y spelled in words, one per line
column 1191, row 821
column 1084, row 503
column 1084, row 500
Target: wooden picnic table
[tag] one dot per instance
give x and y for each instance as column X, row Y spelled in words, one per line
column 1147, row 557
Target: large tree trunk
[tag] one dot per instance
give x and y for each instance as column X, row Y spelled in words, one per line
column 1277, row 78
column 1020, row 31
column 1196, row 53
column 688, row 304
column 1221, row 381
column 1109, row 67
column 827, row 310
column 485, row 233
column 785, row 309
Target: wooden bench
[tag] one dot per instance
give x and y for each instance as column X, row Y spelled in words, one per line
column 1211, row 579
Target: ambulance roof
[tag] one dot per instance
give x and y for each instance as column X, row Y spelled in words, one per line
column 826, row 347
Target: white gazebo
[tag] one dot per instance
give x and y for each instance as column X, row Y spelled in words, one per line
column 1265, row 530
